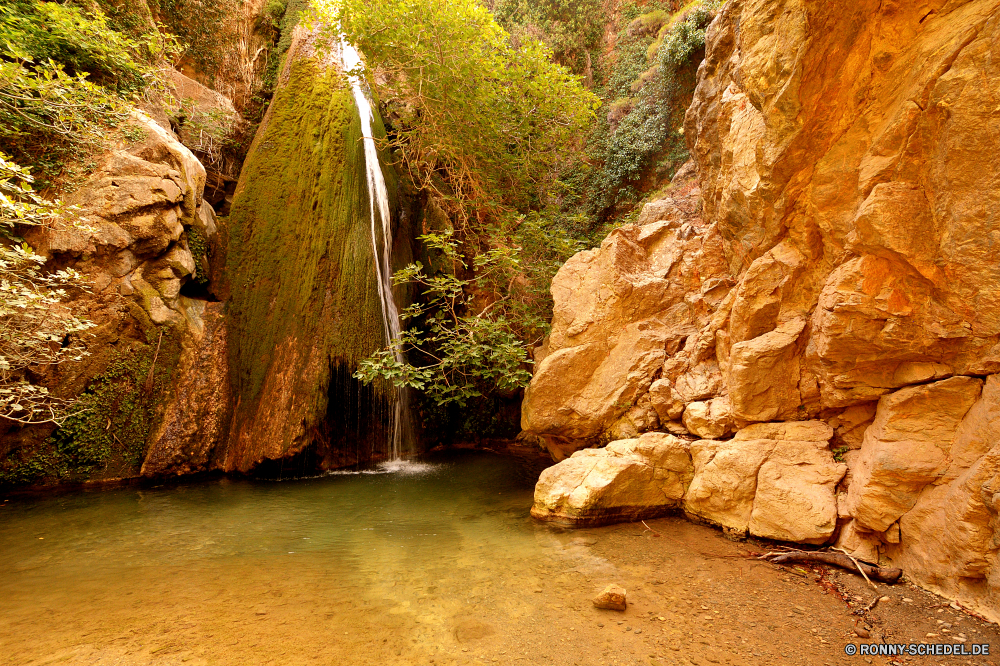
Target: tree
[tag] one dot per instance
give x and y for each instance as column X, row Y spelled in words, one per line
column 66, row 76
column 494, row 120
column 487, row 124
column 36, row 328
column 454, row 355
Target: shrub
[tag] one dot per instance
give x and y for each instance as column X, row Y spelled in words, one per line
column 640, row 133
column 35, row 329
column 454, row 354
column 65, row 77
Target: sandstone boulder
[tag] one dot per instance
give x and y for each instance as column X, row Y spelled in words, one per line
column 775, row 488
column 611, row 598
column 906, row 448
column 709, row 420
column 627, row 480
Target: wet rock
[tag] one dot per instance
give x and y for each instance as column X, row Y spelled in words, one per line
column 611, row 598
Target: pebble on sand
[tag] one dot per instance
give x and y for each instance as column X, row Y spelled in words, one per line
column 611, row 598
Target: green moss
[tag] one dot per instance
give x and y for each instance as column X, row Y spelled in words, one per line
column 300, row 262
column 109, row 437
column 199, row 247
column 289, row 19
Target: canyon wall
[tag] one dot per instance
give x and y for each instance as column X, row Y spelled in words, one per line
column 143, row 239
column 814, row 319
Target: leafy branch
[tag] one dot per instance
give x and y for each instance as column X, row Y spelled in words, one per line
column 36, row 328
column 461, row 353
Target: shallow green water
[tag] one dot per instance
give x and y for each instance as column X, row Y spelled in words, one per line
column 357, row 519
column 399, row 566
column 438, row 564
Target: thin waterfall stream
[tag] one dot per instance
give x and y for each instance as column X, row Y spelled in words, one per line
column 378, row 197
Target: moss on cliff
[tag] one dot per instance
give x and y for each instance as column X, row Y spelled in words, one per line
column 108, row 437
column 300, row 264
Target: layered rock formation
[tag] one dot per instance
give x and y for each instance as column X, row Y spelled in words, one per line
column 843, row 270
column 144, row 233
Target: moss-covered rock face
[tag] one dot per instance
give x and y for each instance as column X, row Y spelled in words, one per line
column 303, row 303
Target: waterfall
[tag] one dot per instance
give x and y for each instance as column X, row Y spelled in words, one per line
column 378, row 197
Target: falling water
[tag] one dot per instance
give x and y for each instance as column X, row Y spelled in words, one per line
column 378, row 196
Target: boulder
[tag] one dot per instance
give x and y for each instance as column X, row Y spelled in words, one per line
column 709, row 420
column 611, row 598
column 907, row 448
column 627, row 480
column 795, row 498
column 947, row 540
column 779, row 489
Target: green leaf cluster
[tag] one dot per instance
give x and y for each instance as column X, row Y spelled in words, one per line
column 571, row 29
column 652, row 97
column 35, row 328
column 450, row 352
column 66, row 76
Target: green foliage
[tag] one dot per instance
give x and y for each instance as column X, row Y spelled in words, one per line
column 631, row 143
column 199, row 247
column 121, row 408
column 272, row 13
column 199, row 25
column 82, row 43
column 65, row 77
column 496, row 121
column 572, row 29
column 290, row 17
column 542, row 242
column 462, row 354
column 649, row 23
column 35, row 329
column 108, row 436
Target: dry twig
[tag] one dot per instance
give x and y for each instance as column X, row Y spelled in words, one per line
column 882, row 574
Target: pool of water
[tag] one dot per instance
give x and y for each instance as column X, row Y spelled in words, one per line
column 415, row 563
column 435, row 562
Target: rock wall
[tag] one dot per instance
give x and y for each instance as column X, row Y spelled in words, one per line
column 842, row 271
column 145, row 233
column 303, row 303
